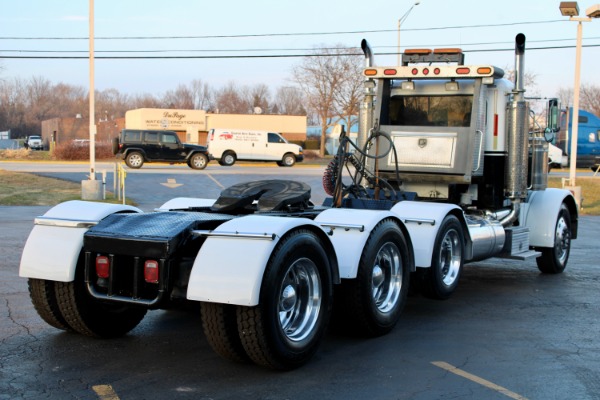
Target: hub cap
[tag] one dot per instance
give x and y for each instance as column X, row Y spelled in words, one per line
column 450, row 257
column 562, row 241
column 386, row 278
column 300, row 300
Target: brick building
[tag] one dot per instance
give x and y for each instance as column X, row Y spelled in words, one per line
column 192, row 126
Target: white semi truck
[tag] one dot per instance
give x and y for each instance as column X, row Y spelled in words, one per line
column 444, row 173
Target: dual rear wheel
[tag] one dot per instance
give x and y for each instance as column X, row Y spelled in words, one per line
column 287, row 326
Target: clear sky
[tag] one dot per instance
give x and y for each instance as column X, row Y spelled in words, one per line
column 269, row 27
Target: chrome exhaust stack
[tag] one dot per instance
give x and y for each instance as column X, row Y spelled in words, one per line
column 518, row 138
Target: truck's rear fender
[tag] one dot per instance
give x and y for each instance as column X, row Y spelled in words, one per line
column 230, row 265
column 349, row 230
column 55, row 242
column 423, row 221
column 183, row 203
column 539, row 214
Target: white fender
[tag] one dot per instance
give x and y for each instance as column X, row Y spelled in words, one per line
column 54, row 244
column 229, row 268
column 539, row 215
column 423, row 220
column 181, row 203
column 350, row 229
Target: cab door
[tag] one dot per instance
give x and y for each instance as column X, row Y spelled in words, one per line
column 169, row 147
column 151, row 145
column 271, row 150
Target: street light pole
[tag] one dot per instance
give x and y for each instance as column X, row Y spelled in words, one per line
column 575, row 117
column 92, row 98
column 400, row 20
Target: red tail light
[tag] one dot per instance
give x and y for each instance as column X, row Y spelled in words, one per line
column 151, row 272
column 102, row 267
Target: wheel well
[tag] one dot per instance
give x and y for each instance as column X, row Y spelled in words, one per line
column 289, row 154
column 463, row 222
column 328, row 247
column 411, row 254
column 129, row 151
column 225, row 152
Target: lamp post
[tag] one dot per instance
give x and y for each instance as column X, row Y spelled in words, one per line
column 91, row 189
column 92, row 99
column 571, row 9
column 400, row 21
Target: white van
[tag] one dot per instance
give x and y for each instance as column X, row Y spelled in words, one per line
column 228, row 145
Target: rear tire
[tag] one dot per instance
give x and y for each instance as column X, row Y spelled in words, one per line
column 134, row 160
column 441, row 279
column 374, row 300
column 228, row 159
column 221, row 331
column 554, row 260
column 286, row 328
column 91, row 317
column 44, row 301
column 198, row 161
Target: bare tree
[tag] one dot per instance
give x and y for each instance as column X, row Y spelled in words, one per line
column 182, row 97
column 590, row 98
column 565, row 96
column 289, row 101
column 203, row 95
column 144, row 100
column 233, row 99
column 322, row 78
column 260, row 98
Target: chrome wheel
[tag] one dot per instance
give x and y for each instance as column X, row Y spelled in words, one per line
column 450, row 257
column 300, row 300
column 387, row 277
column 562, row 240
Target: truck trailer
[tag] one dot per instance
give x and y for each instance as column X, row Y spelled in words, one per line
column 444, row 172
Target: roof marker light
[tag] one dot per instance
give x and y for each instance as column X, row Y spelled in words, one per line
column 484, row 70
column 370, row 72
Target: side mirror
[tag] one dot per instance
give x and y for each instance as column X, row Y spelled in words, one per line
column 553, row 124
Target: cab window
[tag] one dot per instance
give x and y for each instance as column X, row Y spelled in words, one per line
column 431, row 110
column 151, row 137
column 275, row 138
column 170, row 139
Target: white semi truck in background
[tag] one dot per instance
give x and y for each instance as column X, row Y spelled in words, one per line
column 444, row 173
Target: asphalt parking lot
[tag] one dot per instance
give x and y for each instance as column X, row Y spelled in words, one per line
column 508, row 332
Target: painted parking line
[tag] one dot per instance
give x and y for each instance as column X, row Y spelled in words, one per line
column 476, row 379
column 215, row 181
column 105, row 392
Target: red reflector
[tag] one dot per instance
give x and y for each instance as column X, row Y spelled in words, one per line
column 425, row 71
column 414, row 71
column 463, row 71
column 102, row 267
column 436, row 71
column 389, row 72
column 151, row 271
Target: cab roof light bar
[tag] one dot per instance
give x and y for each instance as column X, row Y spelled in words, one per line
column 448, row 55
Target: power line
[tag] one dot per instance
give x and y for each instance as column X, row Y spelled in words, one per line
column 274, row 34
column 275, row 49
column 261, row 55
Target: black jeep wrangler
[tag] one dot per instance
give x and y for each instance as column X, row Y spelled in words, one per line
column 137, row 146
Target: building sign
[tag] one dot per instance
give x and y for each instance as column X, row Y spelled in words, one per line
column 175, row 120
column 178, row 120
